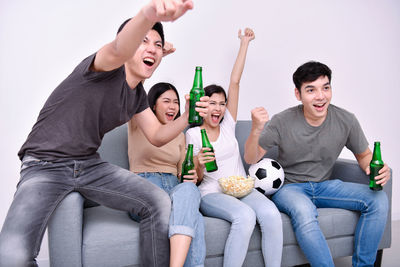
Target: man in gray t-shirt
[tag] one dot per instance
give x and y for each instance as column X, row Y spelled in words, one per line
column 310, row 137
column 60, row 154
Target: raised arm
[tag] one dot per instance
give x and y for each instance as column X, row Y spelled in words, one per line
column 233, row 93
column 253, row 152
column 123, row 47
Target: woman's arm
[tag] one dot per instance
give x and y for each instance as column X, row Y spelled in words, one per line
column 233, row 91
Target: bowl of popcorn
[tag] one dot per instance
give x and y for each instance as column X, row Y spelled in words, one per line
column 237, row 186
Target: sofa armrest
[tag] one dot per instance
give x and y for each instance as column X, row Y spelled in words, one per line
column 349, row 171
column 65, row 232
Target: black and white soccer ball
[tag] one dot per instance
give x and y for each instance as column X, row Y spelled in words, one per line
column 268, row 175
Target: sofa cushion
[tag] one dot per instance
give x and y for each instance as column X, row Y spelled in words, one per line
column 111, row 232
column 333, row 222
column 106, row 233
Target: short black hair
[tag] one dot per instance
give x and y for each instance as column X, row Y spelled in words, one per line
column 309, row 72
column 159, row 89
column 158, row 27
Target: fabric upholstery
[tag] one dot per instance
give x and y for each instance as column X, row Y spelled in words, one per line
column 99, row 236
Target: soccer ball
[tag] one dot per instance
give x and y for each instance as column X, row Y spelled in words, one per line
column 268, row 175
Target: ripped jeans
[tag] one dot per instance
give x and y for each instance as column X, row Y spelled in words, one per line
column 43, row 185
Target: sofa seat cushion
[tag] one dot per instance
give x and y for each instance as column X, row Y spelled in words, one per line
column 111, row 232
column 333, row 222
column 106, row 233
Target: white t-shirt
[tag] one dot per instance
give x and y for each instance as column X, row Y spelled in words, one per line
column 226, row 151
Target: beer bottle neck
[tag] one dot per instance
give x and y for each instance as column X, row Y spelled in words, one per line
column 198, row 79
column 189, row 154
column 376, row 156
column 204, row 138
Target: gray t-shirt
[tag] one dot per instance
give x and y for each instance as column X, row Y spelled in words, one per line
column 78, row 113
column 308, row 153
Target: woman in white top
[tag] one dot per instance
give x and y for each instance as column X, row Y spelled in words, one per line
column 244, row 212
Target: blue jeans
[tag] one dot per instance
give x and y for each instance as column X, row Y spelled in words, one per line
column 43, row 185
column 301, row 200
column 242, row 214
column 185, row 218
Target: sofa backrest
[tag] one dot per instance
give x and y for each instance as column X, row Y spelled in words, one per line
column 243, row 128
column 114, row 147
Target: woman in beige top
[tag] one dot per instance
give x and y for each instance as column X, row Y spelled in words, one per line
column 162, row 166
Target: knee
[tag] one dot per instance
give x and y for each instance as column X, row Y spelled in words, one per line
column 159, row 205
column 379, row 203
column 303, row 216
column 186, row 191
column 245, row 220
column 14, row 255
column 164, row 206
column 15, row 259
column 270, row 217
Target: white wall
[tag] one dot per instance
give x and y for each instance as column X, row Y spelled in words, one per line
column 41, row 42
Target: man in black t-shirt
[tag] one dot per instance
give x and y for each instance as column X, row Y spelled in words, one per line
column 60, row 154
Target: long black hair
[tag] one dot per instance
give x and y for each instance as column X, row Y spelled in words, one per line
column 159, row 89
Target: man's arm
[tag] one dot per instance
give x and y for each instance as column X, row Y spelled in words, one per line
column 364, row 159
column 253, row 152
column 123, row 47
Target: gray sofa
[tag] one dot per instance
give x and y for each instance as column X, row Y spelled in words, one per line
column 83, row 234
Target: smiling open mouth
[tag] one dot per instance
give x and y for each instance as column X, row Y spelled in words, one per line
column 215, row 118
column 319, row 106
column 148, row 61
column 170, row 116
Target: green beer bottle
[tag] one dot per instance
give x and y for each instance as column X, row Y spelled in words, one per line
column 195, row 94
column 375, row 165
column 188, row 163
column 210, row 166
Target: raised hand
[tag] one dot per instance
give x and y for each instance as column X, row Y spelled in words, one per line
column 259, row 116
column 166, row 10
column 168, row 49
column 247, row 36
